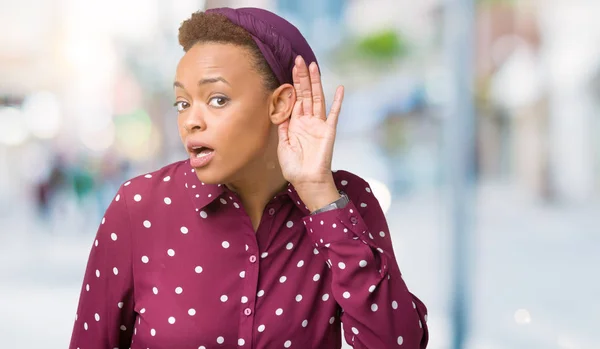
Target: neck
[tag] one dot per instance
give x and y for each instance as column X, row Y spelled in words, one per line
column 258, row 186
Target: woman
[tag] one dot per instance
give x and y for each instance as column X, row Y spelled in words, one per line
column 252, row 242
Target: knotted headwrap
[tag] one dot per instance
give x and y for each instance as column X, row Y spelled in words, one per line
column 278, row 40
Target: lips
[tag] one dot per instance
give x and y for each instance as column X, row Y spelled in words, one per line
column 200, row 154
column 195, row 147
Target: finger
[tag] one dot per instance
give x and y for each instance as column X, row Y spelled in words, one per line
column 297, row 110
column 336, row 107
column 282, row 130
column 296, row 80
column 304, row 80
column 318, row 97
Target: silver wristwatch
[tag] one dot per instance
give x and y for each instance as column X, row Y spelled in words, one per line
column 339, row 203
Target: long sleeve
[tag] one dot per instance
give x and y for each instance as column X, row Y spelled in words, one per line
column 378, row 309
column 105, row 316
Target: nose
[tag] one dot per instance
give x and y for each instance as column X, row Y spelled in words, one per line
column 194, row 120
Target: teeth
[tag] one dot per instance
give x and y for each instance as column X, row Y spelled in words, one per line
column 204, row 153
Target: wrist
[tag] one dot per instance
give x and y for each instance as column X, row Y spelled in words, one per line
column 316, row 195
column 323, row 200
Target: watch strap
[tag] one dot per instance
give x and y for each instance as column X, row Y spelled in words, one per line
column 339, row 203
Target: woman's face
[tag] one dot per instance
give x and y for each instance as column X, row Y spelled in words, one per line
column 223, row 111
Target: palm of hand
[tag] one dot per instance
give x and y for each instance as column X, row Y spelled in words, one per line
column 306, row 139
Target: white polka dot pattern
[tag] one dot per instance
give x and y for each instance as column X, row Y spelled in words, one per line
column 172, row 251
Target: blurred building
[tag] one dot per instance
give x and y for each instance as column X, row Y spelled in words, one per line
column 86, row 102
column 538, row 110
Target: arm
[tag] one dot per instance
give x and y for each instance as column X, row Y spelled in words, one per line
column 105, row 316
column 378, row 309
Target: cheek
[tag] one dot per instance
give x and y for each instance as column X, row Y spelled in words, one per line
column 251, row 125
column 246, row 138
column 180, row 129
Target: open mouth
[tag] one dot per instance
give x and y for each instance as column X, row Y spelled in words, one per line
column 201, row 152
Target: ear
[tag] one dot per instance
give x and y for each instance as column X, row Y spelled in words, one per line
column 282, row 103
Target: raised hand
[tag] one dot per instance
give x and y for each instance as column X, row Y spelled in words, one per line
column 306, row 139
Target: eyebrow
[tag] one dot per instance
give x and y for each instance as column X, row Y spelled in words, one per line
column 204, row 82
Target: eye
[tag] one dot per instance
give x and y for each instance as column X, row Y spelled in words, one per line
column 218, row 102
column 181, row 105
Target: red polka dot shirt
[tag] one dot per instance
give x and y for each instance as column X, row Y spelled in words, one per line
column 177, row 264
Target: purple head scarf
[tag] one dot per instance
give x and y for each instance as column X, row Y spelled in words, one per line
column 278, row 40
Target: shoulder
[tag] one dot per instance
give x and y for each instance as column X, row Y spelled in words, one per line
column 153, row 183
column 353, row 185
column 361, row 192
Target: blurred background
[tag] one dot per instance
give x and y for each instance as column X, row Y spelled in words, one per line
column 509, row 229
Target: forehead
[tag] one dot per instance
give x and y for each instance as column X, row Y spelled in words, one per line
column 229, row 60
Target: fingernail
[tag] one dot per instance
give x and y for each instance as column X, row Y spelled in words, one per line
column 299, row 59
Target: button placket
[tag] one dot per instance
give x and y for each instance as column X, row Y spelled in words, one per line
column 249, row 286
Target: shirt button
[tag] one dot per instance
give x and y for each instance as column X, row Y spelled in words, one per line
column 247, row 311
column 252, row 259
column 354, row 220
column 271, row 211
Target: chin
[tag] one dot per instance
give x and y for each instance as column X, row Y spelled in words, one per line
column 215, row 173
column 208, row 176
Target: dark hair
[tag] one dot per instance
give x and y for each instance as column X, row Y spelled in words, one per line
column 204, row 27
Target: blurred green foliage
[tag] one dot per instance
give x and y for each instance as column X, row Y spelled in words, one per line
column 386, row 44
column 374, row 51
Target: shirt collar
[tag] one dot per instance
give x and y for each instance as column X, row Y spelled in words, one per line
column 202, row 194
